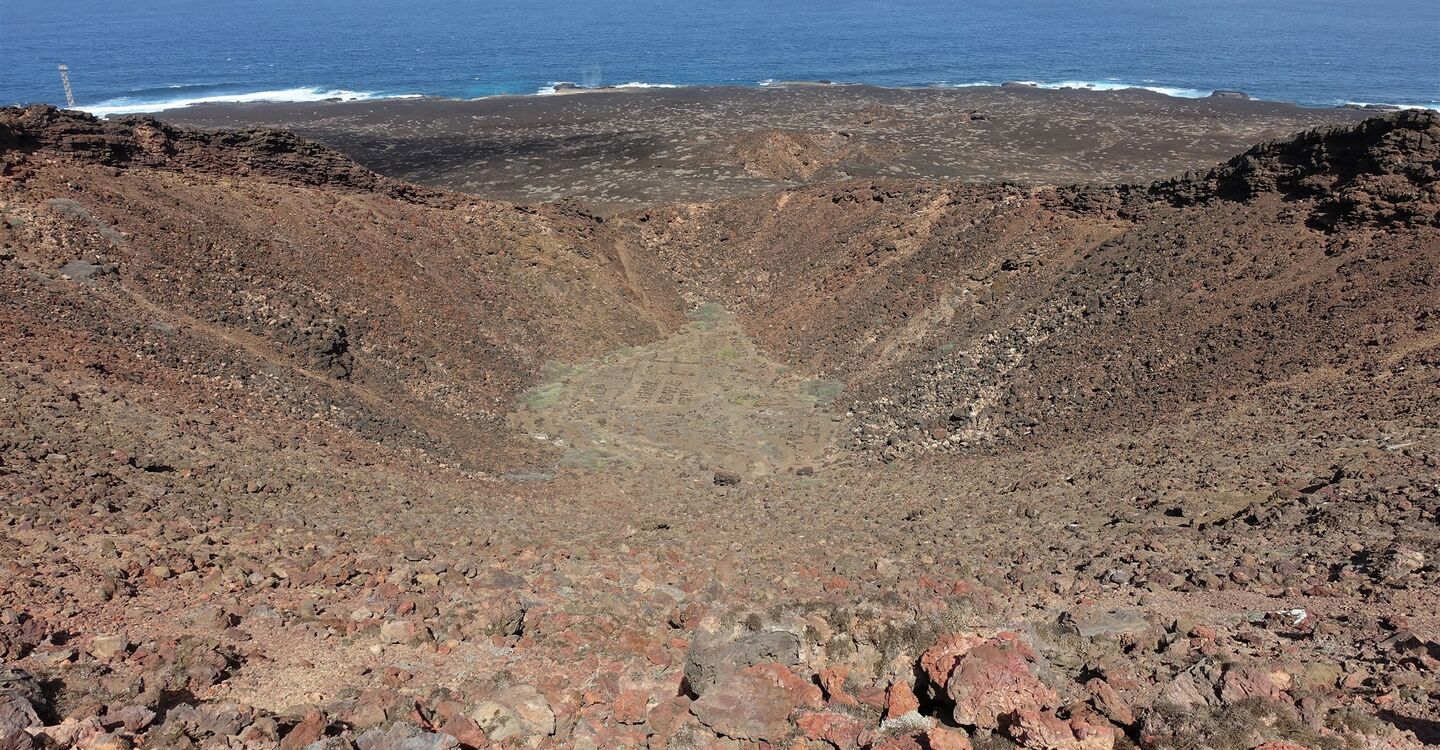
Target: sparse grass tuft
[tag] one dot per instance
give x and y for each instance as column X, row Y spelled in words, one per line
column 546, row 394
column 708, row 312
column 555, row 370
column 589, row 458
column 820, row 391
column 745, row 399
column 707, row 315
column 542, row 396
column 527, row 477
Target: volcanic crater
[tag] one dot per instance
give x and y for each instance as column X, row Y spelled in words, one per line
column 295, row 454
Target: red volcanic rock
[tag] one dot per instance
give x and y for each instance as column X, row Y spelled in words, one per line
column 465, row 730
column 16, row 713
column 1110, row 702
column 994, row 679
column 668, row 716
column 803, row 693
column 132, row 718
column 19, row 739
column 402, row 631
column 630, row 706
column 832, row 681
column 900, row 700
column 940, row 659
column 754, row 703
column 1044, row 731
column 1243, row 682
column 944, row 738
column 311, row 728
column 844, row 732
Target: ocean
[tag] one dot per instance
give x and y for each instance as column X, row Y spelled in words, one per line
column 157, row 54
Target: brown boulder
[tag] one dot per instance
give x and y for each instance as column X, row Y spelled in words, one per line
column 832, row 681
column 310, row 729
column 667, row 717
column 1044, row 731
column 106, row 647
column 1193, row 688
column 939, row 660
column 403, row 631
column 16, row 714
column 749, row 705
column 994, row 679
column 518, row 711
column 943, row 738
column 900, row 700
column 1241, row 683
column 402, row 736
column 18, row 739
column 840, row 731
column 631, row 707
column 466, row 731
column 714, row 652
column 1109, row 702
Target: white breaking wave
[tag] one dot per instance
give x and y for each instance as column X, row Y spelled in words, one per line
column 129, row 105
column 553, row 87
column 1395, row 106
column 643, row 85
column 1183, row 93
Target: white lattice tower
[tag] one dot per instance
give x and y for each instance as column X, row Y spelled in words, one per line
column 65, row 81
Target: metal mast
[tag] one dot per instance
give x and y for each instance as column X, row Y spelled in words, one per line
column 65, row 81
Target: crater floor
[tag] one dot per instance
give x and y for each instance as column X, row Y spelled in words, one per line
column 704, row 395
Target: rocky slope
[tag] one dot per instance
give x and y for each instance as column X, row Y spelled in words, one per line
column 403, row 313
column 295, row 455
column 964, row 316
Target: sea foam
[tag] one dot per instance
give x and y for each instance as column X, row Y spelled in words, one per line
column 129, row 105
column 1385, row 105
column 1112, row 85
column 554, row 86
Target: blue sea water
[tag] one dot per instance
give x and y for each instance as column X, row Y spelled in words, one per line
column 147, row 54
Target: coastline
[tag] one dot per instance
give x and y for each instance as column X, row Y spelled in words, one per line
column 116, row 107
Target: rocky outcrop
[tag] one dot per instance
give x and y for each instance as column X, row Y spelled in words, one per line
column 140, row 141
column 1382, row 172
column 800, row 155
